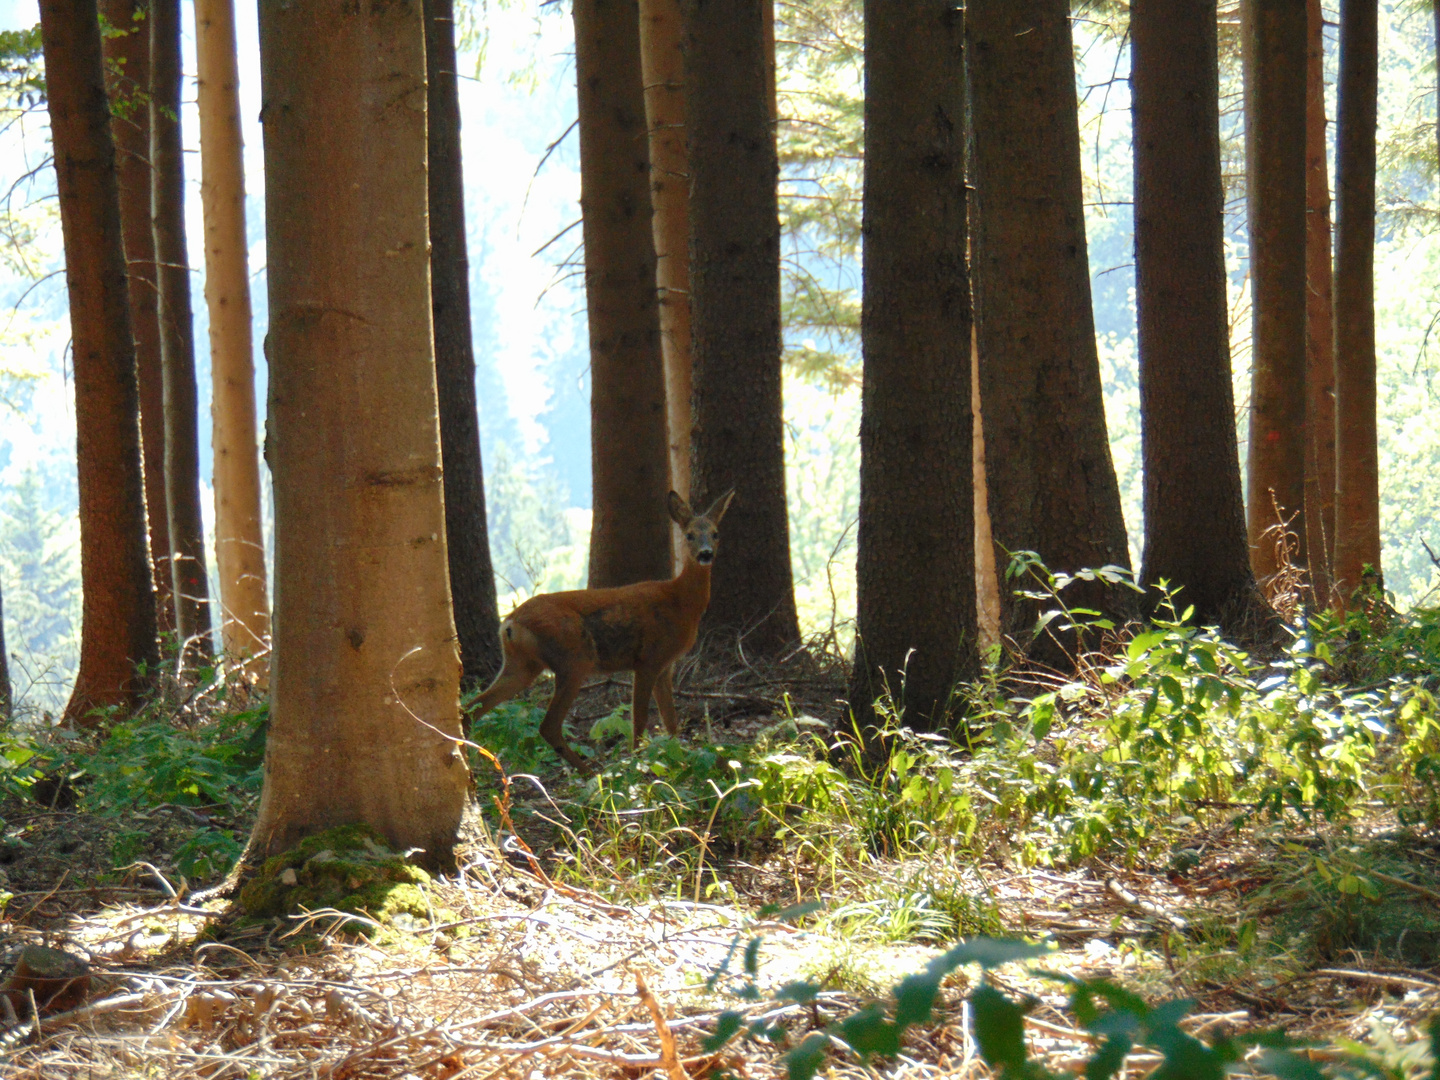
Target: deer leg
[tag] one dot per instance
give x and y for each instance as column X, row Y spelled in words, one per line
column 552, row 727
column 640, row 706
column 665, row 698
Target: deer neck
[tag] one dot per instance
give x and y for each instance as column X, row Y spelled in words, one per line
column 692, row 584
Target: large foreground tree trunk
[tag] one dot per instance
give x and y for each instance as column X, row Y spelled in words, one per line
column 1194, row 509
column 239, row 546
column 1357, row 463
column 1052, row 486
column 127, row 60
column 118, row 614
column 738, row 436
column 177, row 335
column 662, row 67
column 630, row 534
column 365, row 673
column 1274, row 42
column 915, row 568
column 472, row 577
column 1319, row 324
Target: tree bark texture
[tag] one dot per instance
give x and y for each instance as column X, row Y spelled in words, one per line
column 1357, row 462
column 1052, row 486
column 177, row 336
column 1194, row 508
column 916, row 632
column 239, row 545
column 630, row 531
column 738, row 434
column 1319, row 323
column 127, row 59
column 1273, row 38
column 663, row 71
column 118, row 612
column 365, row 671
column 7, row 703
column 987, row 581
column 472, row 577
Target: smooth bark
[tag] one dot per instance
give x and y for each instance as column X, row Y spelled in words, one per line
column 472, row 576
column 916, row 633
column 663, row 71
column 738, row 435
column 118, row 613
column 239, row 545
column 365, row 671
column 630, row 472
column 1319, row 324
column 1194, row 510
column 177, row 336
column 1274, row 45
column 1357, row 463
column 1050, row 479
column 127, row 60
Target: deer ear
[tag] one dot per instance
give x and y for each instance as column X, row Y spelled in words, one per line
column 718, row 507
column 680, row 511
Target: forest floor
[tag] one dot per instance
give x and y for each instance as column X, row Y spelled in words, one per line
column 528, row 970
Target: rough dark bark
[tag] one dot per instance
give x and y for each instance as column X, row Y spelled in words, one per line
column 629, row 440
column 472, row 577
column 1052, row 486
column 365, row 673
column 1357, row 465
column 127, row 57
column 177, row 336
column 118, row 614
column 735, row 323
column 915, row 569
column 1274, row 45
column 1319, row 324
column 1194, row 508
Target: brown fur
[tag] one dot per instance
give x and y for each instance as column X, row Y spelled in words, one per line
column 642, row 628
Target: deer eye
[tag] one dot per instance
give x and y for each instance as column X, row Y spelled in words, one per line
column 690, row 536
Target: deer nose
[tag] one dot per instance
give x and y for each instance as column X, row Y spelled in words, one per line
column 705, row 556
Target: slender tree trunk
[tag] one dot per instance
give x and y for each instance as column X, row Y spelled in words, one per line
column 127, row 60
column 1319, row 324
column 662, row 67
column 1274, row 43
column 630, row 535
column 177, row 335
column 239, row 545
column 1052, row 486
column 1357, row 464
column 987, row 581
column 738, row 437
column 118, row 620
column 365, row 673
column 1194, row 510
column 472, row 578
column 7, row 703
column 916, row 627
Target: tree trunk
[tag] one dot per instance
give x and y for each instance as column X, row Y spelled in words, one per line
column 127, row 61
column 365, row 672
column 1274, row 44
column 7, row 703
column 1194, row 509
column 630, row 534
column 177, row 336
column 1319, row 324
column 1052, row 486
column 1357, row 464
column 987, row 581
column 916, row 628
column 118, row 614
column 472, row 578
column 239, row 546
column 738, row 435
column 662, row 67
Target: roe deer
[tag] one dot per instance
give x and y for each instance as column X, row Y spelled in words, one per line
column 642, row 628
